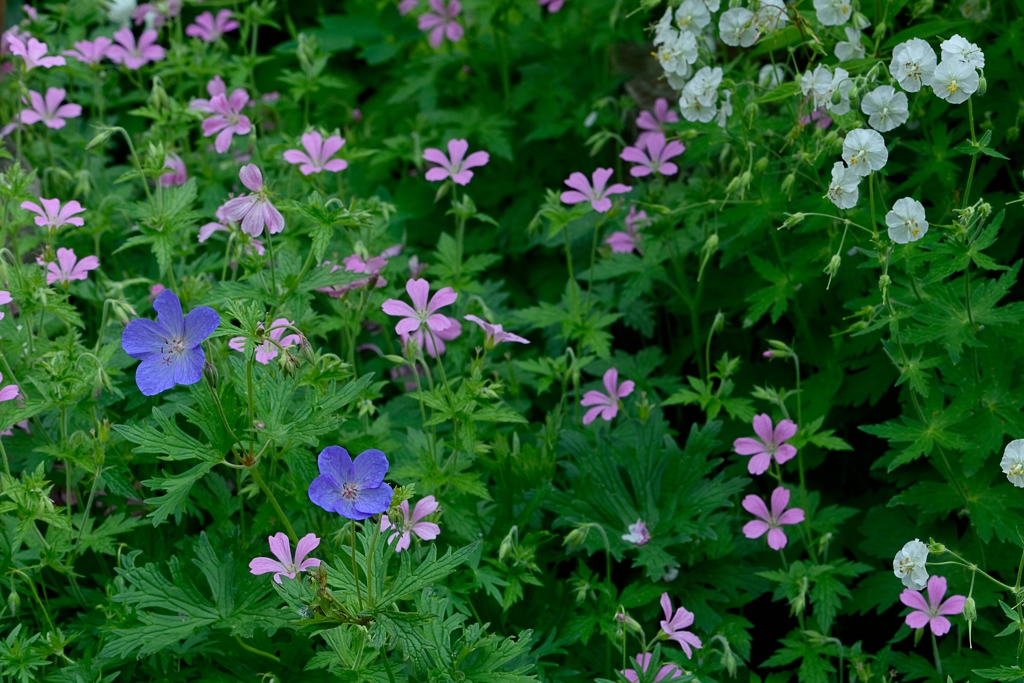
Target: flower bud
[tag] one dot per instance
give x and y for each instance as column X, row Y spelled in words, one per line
column 576, row 537
column 398, row 360
column 508, row 543
column 306, row 351
column 884, row 282
column 210, row 373
column 787, row 183
column 13, row 600
column 833, row 266
column 761, row 164
column 102, row 136
column 837, row 97
column 288, row 363
column 710, row 244
column 982, row 86
column 970, row 609
column 103, row 431
column 793, row 219
column 718, row 324
column 628, row 622
column 935, row 547
column 644, row 409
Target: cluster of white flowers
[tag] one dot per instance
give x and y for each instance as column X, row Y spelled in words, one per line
column 676, row 37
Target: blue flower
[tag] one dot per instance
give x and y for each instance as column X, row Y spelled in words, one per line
column 355, row 490
column 169, row 348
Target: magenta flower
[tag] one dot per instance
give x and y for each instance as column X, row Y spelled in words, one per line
column 554, row 6
column 412, row 524
column 9, row 393
column 34, row 53
column 673, row 624
column 639, row 535
column 215, row 86
column 771, row 444
column 820, row 116
column 433, row 343
column 49, row 110
column 227, row 119
column 284, row 565
column 5, row 298
column 651, row 123
column 254, row 210
column 606, row 405
column 596, row 194
column 421, row 312
column 68, row 267
column 90, row 52
column 644, row 661
column 495, row 334
column 655, row 159
column 931, row 613
column 267, row 350
column 406, row 6
column 355, row 264
column 771, row 521
column 156, row 13
column 627, row 242
column 135, row 55
column 209, row 28
column 318, row 154
column 178, row 173
column 456, row 165
column 441, row 22
column 52, row 215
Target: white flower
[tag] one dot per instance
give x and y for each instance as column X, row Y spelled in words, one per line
column 725, row 108
column 677, row 81
column 638, row 533
column 833, row 12
column 906, row 221
column 886, row 109
column 1013, row 462
column 961, row 49
column 692, row 16
column 913, row 64
column 737, row 27
column 771, row 76
column 864, row 150
column 771, row 15
column 701, row 95
column 955, row 81
column 663, row 30
column 841, row 82
column 678, row 52
column 120, row 11
column 819, row 84
column 850, row 48
column 909, row 565
column 713, row 5
column 843, row 190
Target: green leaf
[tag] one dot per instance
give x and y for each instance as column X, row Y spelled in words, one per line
column 411, row 581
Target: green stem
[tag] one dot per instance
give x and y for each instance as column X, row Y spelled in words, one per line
column 387, row 664
column 258, row 478
column 252, row 417
column 871, row 192
column 572, row 276
column 3, row 452
column 255, row 651
column 974, row 157
column 935, row 652
column 273, row 274
column 355, row 567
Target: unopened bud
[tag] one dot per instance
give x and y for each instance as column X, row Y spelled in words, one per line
column 710, row 244
column 508, row 543
column 13, row 600
column 306, row 351
column 833, row 265
column 854, row 94
column 102, row 136
column 860, row 22
column 787, row 183
column 628, row 622
column 970, row 609
column 103, row 431
column 718, row 324
column 576, row 537
column 935, row 547
column 793, row 219
column 644, row 409
column 210, row 373
column 395, row 359
column 761, row 164
column 982, row 86
column 728, row 660
column 884, row 282
column 288, row 363
column 837, row 97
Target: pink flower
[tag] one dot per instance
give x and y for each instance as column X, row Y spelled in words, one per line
column 455, row 166
column 357, row 115
column 5, row 298
column 135, row 56
column 554, row 6
column 178, row 173
column 433, row 343
column 606, row 405
column 267, row 350
column 254, row 210
column 52, row 215
column 626, row 242
column 930, row 613
column 156, row 13
column 68, row 268
column 50, row 111
column 656, row 157
column 771, row 443
column 284, row 564
column 673, row 624
column 820, row 115
column 771, row 521
column 155, row 289
column 406, row 6
column 639, row 535
column 250, row 244
column 9, row 392
column 414, row 318
column 597, row 195
column 494, row 334
column 90, row 52
column 215, row 86
column 355, row 264
column 319, row 154
column 441, row 22
column 411, row 524
column 227, row 119
column 33, row 52
column 644, row 661
column 209, row 28
column 651, row 123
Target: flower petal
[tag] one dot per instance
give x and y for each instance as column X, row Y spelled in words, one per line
column 369, row 469
column 756, row 506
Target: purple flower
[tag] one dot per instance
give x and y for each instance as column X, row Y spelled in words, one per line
column 68, row 267
column 169, row 347
column 455, row 166
column 178, row 173
column 268, row 349
column 627, row 242
column 651, row 123
column 8, row 393
column 494, row 334
column 90, row 51
column 820, row 115
column 209, row 28
column 433, row 343
column 215, row 86
column 5, row 298
column 33, row 52
column 49, row 110
column 639, row 535
column 931, row 613
column 227, row 119
column 156, row 13
column 355, row 264
column 414, row 318
column 606, row 405
column 771, row 522
column 135, row 55
column 771, row 444
column 644, row 661
column 655, row 159
column 673, row 624
column 597, row 195
column 412, row 524
column 406, row 6
column 554, row 6
column 441, row 22
column 318, row 154
column 284, row 565
column 355, row 490
column 52, row 215
column 254, row 210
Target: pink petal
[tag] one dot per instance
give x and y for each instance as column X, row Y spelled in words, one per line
column 759, row 464
column 66, row 259
column 626, row 388
column 418, row 291
column 635, row 156
column 914, row 599
column 407, row 325
column 592, row 414
column 747, row 446
column 594, row 398
column 784, row 453
column 54, row 96
column 780, row 499
column 251, row 177
column 940, row 625
column 398, row 308
column 9, row 392
column 457, row 151
column 917, row 619
column 666, row 607
column 570, row 197
column 336, row 165
column 444, row 297
column 791, row 516
column 763, row 428
column 785, row 430
column 294, row 156
column 476, row 159
column 305, row 546
column 777, row 539
column 281, row 547
column 436, row 174
column 423, row 508
column 953, row 606
column 436, row 156
column 755, row 506
column 427, row 531
column 755, row 528
column 578, row 181
column 265, row 565
column 611, row 381
column 600, row 180
column 314, row 143
column 331, row 146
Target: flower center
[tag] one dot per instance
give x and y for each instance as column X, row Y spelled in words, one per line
column 349, row 490
column 906, row 565
column 172, row 346
column 1017, row 470
column 953, row 86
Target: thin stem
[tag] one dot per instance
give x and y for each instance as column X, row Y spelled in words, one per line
column 273, row 275
column 572, row 276
column 355, row 568
column 256, row 651
column 871, row 192
column 935, row 652
column 258, row 478
column 252, row 418
column 387, row 664
column 974, row 157
column 3, row 452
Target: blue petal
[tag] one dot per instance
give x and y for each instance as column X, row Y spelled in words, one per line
column 200, row 323
column 374, row 501
column 142, row 338
column 370, row 467
column 336, row 462
column 325, row 491
column 347, row 509
column 168, row 309
column 154, row 375
column 188, row 366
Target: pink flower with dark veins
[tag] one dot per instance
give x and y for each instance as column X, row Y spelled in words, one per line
column 177, row 175
column 441, row 22
column 317, row 156
column 771, row 521
column 52, row 215
column 49, row 110
column 209, row 28
column 673, row 624
column 597, row 194
column 34, row 53
column 215, row 86
column 412, row 524
column 433, row 342
column 285, row 565
column 253, row 211
column 932, row 612
column 68, row 267
column 651, row 123
column 456, row 165
column 90, row 52
column 421, row 312
column 606, row 405
column 771, row 444
column 654, row 156
column 495, row 334
column 135, row 55
column 227, row 119
column 628, row 241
